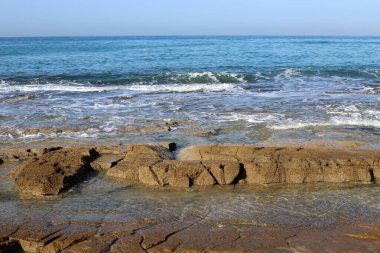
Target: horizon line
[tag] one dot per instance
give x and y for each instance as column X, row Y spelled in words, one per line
column 183, row 35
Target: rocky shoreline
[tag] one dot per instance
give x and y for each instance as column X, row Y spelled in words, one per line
column 54, row 170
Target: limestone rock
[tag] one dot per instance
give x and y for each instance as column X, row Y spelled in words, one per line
column 266, row 165
column 204, row 179
column 138, row 156
column 148, row 151
column 55, row 171
column 127, row 169
column 147, row 176
column 107, row 161
column 225, row 172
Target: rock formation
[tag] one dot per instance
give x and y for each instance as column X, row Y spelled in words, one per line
column 56, row 170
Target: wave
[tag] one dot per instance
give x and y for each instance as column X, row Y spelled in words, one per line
column 70, row 87
column 250, row 118
column 148, row 88
column 185, row 88
column 243, row 75
column 371, row 123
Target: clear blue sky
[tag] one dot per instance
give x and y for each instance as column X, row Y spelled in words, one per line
column 189, row 17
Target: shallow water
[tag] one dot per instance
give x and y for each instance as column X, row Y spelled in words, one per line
column 104, row 200
column 249, row 89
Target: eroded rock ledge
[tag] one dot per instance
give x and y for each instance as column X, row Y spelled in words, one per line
column 198, row 235
column 51, row 171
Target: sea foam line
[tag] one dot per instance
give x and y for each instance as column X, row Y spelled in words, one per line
column 5, row 88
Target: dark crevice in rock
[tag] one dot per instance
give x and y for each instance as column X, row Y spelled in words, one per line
column 1, row 161
column 191, row 181
column 92, row 157
column 372, row 174
column 212, row 175
column 75, row 242
column 111, row 244
column 180, row 230
column 47, row 150
column 242, row 174
column 135, row 232
column 113, row 164
column 13, row 246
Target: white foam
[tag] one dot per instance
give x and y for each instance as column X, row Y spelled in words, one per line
column 337, row 121
column 213, row 77
column 184, row 88
column 287, row 73
column 251, row 118
column 56, row 87
column 6, row 88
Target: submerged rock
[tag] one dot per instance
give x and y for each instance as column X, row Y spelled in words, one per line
column 55, row 171
column 205, row 133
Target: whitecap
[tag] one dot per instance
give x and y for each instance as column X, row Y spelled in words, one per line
column 336, row 121
column 56, row 87
column 185, row 88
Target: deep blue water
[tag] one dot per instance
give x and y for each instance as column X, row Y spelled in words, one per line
column 249, row 89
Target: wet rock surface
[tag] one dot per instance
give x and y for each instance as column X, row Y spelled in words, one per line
column 180, row 214
column 55, row 171
column 198, row 235
column 52, row 170
column 266, row 165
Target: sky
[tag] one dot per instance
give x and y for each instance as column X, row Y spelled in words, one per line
column 188, row 17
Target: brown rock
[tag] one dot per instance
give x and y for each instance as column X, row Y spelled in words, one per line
column 55, row 171
column 147, row 176
column 106, row 161
column 216, row 152
column 138, row 156
column 99, row 244
column 179, row 180
column 204, row 179
column 177, row 173
column 127, row 169
column 148, row 151
column 225, row 172
column 127, row 243
column 37, row 234
column 267, row 165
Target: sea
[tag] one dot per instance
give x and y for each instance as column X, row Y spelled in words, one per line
column 189, row 89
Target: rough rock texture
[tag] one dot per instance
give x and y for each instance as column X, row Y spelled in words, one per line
column 196, row 235
column 107, row 161
column 55, row 171
column 51, row 171
column 137, row 156
column 265, row 165
column 154, row 165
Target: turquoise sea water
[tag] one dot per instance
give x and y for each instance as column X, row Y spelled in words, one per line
column 248, row 89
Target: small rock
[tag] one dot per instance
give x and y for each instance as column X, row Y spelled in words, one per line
column 206, row 133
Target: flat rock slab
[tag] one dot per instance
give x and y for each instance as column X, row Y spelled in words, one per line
column 266, row 165
column 55, row 171
column 198, row 235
